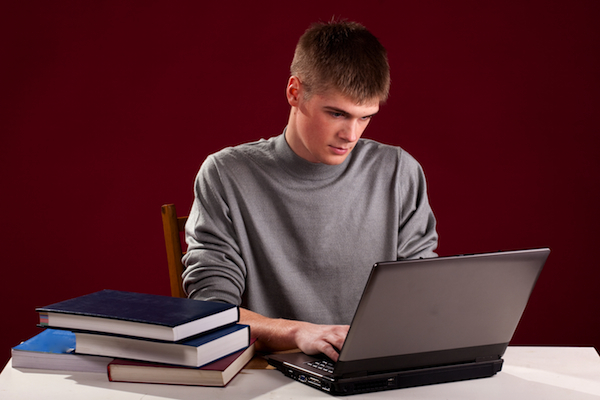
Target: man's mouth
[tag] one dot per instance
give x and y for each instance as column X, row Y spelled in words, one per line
column 340, row 150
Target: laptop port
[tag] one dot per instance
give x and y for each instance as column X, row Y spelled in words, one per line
column 302, row 378
column 314, row 381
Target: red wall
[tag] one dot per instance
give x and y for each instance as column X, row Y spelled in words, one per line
column 108, row 109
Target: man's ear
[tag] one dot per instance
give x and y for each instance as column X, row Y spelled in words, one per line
column 293, row 90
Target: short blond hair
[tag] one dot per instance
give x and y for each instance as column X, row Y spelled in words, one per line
column 343, row 56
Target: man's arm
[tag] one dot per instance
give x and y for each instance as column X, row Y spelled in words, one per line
column 417, row 235
column 283, row 334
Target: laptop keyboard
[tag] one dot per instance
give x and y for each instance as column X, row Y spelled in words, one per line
column 323, row 365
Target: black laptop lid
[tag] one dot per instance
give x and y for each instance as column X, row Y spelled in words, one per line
column 439, row 311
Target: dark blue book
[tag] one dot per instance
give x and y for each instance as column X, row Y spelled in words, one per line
column 138, row 314
column 193, row 352
column 54, row 349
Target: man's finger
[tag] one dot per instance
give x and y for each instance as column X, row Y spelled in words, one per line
column 330, row 352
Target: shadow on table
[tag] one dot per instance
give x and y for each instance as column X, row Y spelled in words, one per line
column 247, row 385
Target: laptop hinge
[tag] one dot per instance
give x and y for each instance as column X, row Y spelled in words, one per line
column 487, row 358
column 355, row 374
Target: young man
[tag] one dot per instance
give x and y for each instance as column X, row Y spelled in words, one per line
column 288, row 228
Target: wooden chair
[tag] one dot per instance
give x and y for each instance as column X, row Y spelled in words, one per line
column 172, row 227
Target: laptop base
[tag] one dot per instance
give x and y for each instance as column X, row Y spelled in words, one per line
column 392, row 380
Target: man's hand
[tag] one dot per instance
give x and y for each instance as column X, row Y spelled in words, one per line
column 281, row 334
column 326, row 339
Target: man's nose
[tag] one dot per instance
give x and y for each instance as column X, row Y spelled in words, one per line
column 350, row 132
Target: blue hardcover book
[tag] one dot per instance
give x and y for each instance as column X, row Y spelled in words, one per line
column 194, row 352
column 53, row 349
column 138, row 314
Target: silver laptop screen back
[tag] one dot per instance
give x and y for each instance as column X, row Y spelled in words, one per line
column 442, row 303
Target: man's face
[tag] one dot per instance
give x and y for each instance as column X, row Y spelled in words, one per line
column 325, row 128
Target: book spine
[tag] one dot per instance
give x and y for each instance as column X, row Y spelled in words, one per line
column 43, row 319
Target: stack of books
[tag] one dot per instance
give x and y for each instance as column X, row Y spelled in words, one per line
column 141, row 338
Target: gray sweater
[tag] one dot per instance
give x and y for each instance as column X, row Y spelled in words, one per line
column 288, row 238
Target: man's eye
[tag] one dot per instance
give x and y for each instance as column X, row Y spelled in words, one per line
column 337, row 114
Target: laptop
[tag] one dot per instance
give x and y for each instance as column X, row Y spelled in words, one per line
column 426, row 321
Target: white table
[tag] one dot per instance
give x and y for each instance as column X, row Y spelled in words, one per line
column 528, row 373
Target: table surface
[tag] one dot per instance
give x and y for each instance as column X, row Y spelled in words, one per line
column 528, row 373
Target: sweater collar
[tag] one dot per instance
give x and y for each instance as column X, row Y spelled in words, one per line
column 303, row 169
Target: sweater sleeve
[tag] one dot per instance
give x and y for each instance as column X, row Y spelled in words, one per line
column 417, row 235
column 215, row 270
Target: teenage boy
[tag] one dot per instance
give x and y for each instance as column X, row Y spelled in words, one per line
column 288, row 228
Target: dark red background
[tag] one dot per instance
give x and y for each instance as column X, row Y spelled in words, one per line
column 109, row 108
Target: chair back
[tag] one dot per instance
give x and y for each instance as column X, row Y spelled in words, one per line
column 173, row 226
